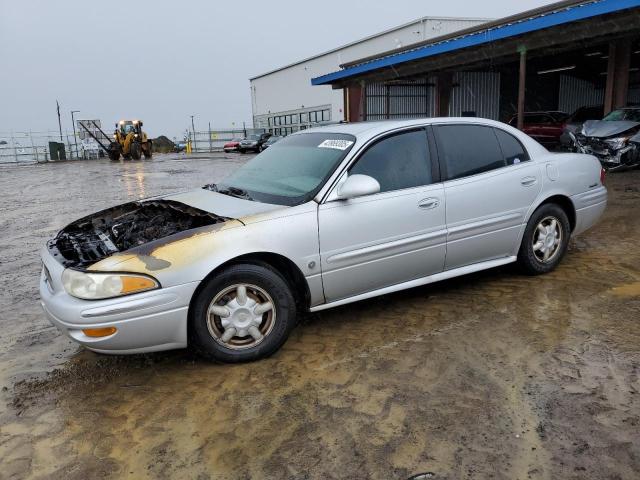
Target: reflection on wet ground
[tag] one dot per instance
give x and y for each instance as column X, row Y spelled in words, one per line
column 494, row 375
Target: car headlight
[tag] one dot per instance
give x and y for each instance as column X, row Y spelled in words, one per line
column 98, row 286
column 617, row 143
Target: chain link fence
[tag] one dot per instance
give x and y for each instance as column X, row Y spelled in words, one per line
column 40, row 147
column 213, row 140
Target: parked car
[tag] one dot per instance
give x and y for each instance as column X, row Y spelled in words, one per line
column 545, row 127
column 273, row 139
column 254, row 143
column 323, row 218
column 232, row 146
column 615, row 139
column 574, row 123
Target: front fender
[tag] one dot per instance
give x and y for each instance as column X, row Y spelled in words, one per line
column 191, row 256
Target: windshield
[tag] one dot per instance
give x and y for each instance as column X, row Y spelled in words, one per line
column 293, row 170
column 253, row 137
column 630, row 114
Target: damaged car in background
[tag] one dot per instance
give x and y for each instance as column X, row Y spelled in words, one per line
column 322, row 218
column 615, row 139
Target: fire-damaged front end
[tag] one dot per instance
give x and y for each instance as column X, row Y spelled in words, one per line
column 118, row 229
column 615, row 143
column 106, row 282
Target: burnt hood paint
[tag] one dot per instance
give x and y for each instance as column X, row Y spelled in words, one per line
column 222, row 205
column 603, row 128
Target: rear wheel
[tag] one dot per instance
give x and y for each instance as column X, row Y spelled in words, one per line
column 148, row 149
column 114, row 151
column 244, row 313
column 545, row 240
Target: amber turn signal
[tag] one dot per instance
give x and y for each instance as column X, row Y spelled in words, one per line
column 99, row 332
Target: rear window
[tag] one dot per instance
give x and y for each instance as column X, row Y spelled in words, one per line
column 468, row 149
column 512, row 149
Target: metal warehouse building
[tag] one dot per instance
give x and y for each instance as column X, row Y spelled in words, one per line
column 559, row 57
column 284, row 101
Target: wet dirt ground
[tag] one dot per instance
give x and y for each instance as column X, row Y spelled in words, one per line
column 494, row 375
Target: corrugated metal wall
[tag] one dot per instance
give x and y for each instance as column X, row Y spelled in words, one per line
column 575, row 93
column 413, row 99
column 475, row 94
column 633, row 98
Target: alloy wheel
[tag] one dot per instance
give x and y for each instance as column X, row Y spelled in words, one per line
column 241, row 316
column 547, row 239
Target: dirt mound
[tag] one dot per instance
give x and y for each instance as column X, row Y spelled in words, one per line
column 162, row 145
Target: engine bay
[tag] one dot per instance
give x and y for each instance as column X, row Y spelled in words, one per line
column 127, row 226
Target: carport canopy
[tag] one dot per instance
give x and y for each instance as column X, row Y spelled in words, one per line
column 594, row 40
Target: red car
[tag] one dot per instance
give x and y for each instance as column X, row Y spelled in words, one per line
column 232, row 146
column 545, row 127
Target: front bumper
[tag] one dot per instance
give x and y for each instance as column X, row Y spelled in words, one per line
column 145, row 322
column 604, row 152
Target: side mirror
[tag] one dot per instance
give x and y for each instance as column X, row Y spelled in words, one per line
column 358, row 186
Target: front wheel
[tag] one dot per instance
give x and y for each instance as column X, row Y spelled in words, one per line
column 135, row 151
column 243, row 313
column 545, row 240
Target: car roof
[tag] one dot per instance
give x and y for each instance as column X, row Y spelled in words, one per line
column 373, row 128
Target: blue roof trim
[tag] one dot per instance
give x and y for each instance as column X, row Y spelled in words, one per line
column 553, row 19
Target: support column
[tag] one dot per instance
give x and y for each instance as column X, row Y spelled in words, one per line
column 617, row 86
column 354, row 107
column 444, row 83
column 522, row 81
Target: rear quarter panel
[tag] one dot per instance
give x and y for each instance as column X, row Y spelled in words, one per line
column 573, row 175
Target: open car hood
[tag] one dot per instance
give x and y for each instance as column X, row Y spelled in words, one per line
column 220, row 204
column 131, row 225
column 603, row 128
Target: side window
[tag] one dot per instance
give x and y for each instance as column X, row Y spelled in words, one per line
column 512, row 149
column 397, row 162
column 468, row 149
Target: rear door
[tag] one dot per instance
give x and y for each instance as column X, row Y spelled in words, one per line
column 490, row 185
column 390, row 237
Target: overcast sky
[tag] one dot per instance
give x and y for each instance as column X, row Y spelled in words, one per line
column 162, row 61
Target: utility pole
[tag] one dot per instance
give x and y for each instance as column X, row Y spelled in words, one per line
column 193, row 128
column 244, row 127
column 59, row 121
column 75, row 137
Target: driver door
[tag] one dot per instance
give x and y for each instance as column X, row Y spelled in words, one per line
column 390, row 237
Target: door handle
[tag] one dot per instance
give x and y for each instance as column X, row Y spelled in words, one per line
column 528, row 181
column 428, row 203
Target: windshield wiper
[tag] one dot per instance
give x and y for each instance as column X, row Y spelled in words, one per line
column 231, row 191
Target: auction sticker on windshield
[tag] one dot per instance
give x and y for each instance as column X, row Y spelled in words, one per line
column 337, row 144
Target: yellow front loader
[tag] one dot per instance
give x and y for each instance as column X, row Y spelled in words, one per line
column 130, row 141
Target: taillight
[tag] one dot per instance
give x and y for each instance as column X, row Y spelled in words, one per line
column 603, row 174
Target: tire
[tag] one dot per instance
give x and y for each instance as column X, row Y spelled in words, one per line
column 135, row 150
column 259, row 149
column 114, row 155
column 148, row 150
column 206, row 332
column 532, row 261
column 242, row 150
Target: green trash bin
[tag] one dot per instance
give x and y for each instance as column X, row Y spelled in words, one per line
column 56, row 150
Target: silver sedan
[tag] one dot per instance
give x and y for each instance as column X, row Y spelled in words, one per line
column 324, row 217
